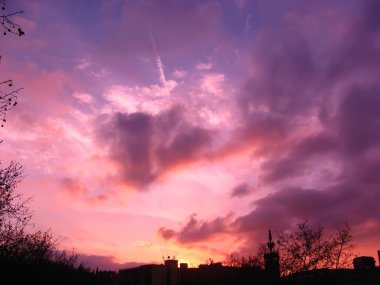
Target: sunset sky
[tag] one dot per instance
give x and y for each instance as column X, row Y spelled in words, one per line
column 150, row 128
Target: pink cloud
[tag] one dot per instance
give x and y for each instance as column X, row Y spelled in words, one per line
column 73, row 188
column 198, row 231
column 101, row 198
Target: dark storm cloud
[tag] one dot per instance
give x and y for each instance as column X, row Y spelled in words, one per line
column 147, row 146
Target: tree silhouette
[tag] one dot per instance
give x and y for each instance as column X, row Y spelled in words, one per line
column 343, row 246
column 8, row 98
column 8, row 95
column 16, row 245
column 28, row 256
column 309, row 248
column 255, row 260
column 13, row 208
column 6, row 20
column 14, row 213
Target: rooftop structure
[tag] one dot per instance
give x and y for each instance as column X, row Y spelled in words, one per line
column 272, row 260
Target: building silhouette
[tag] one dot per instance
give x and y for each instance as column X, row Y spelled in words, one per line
column 171, row 271
column 364, row 272
column 364, row 262
column 206, row 274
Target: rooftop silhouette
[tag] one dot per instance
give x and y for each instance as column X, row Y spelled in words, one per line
column 215, row 273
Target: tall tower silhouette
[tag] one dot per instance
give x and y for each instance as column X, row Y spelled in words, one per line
column 272, row 261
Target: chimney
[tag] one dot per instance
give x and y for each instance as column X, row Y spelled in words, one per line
column 378, row 254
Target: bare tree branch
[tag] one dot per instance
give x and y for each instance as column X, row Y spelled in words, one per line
column 13, row 208
column 8, row 96
column 8, row 100
column 9, row 26
column 309, row 248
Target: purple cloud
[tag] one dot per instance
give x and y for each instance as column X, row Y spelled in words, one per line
column 281, row 211
column 241, row 190
column 147, row 146
column 197, row 231
column 312, row 110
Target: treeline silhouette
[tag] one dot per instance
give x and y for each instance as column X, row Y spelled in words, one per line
column 28, row 256
column 33, row 256
column 305, row 248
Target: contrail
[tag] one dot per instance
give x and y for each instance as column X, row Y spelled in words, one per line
column 159, row 63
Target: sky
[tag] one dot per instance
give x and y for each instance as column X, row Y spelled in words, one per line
column 189, row 128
